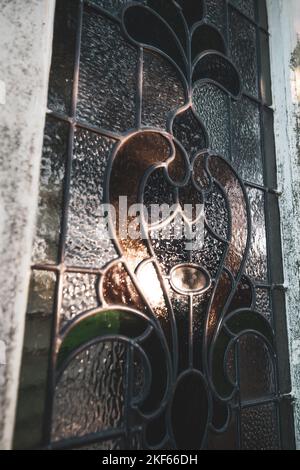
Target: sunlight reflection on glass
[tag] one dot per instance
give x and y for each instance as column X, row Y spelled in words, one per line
column 150, row 284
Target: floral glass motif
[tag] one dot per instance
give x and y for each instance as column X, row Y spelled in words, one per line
column 156, row 347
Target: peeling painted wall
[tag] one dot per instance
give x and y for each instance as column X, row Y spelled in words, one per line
column 284, row 22
column 25, row 38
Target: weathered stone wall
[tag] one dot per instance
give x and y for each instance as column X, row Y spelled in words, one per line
column 296, row 324
column 284, row 22
column 25, row 38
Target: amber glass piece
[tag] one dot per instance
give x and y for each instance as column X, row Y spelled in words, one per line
column 233, row 190
column 138, row 154
column 200, row 174
column 87, row 242
column 118, row 288
column 79, row 295
column 107, row 75
column 163, row 91
column 257, row 264
column 188, row 129
column 52, row 173
column 151, row 287
column 90, row 396
column 220, row 296
column 177, row 169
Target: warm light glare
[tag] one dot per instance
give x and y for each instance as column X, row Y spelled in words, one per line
column 150, row 284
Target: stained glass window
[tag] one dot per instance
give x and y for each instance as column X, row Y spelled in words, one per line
column 141, row 343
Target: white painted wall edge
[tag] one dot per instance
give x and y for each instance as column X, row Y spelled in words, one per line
column 284, row 20
column 26, row 31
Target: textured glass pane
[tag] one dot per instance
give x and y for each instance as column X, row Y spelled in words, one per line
column 158, row 190
column 45, row 249
column 263, row 305
column 242, row 37
column 243, row 296
column 246, row 140
column 115, row 444
column 63, row 55
column 118, row 288
column 79, row 295
column 210, row 255
column 255, row 368
column 90, row 394
column 162, row 90
column 170, row 13
column 92, row 390
column 190, row 133
column 225, row 176
column 256, row 266
column 113, row 6
column 246, row 6
column 216, row 213
column 86, row 245
column 260, row 428
column 216, row 14
column 107, row 79
column 220, row 297
column 169, row 250
column 36, row 350
column 212, row 106
column 152, row 290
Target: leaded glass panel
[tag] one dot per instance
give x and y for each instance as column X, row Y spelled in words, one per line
column 143, row 342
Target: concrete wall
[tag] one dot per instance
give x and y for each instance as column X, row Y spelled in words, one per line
column 25, row 38
column 284, row 20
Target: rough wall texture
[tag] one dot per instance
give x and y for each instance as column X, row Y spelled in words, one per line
column 26, row 38
column 296, row 325
column 284, row 19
